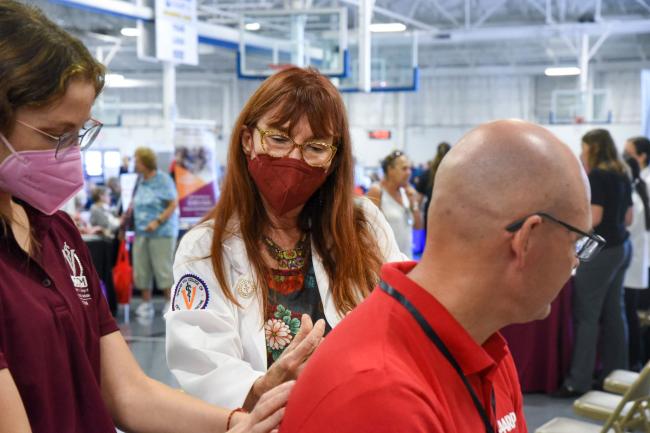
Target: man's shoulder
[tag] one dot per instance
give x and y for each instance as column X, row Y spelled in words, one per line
column 373, row 399
column 364, row 356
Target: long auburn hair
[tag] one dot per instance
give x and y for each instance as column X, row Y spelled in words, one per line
column 602, row 152
column 339, row 230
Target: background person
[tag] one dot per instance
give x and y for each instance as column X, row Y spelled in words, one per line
column 636, row 277
column 287, row 244
column 156, row 230
column 398, row 200
column 425, row 182
column 101, row 213
column 598, row 302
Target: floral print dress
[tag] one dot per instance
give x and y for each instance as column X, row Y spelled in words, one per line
column 292, row 293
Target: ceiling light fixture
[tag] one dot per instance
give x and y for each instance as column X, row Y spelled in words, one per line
column 253, row 27
column 387, row 27
column 130, row 31
column 562, row 71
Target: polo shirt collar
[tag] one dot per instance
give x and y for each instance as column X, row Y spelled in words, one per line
column 472, row 357
column 38, row 220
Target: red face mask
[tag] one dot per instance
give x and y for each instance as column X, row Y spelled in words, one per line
column 285, row 183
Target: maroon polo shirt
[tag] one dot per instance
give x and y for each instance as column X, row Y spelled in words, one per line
column 378, row 372
column 52, row 316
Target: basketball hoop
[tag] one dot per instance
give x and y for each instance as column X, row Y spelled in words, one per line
column 279, row 66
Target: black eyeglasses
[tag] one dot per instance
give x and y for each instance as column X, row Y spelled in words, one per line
column 587, row 246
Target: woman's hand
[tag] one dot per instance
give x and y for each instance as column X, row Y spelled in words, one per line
column 414, row 198
column 292, row 361
column 267, row 414
column 152, row 226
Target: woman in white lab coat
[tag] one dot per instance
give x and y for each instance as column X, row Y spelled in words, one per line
column 287, row 245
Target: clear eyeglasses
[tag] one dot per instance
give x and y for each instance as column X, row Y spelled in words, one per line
column 83, row 137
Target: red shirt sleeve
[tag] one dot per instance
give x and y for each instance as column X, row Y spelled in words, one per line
column 3, row 362
column 365, row 403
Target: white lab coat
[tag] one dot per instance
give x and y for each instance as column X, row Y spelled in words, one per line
column 636, row 276
column 218, row 352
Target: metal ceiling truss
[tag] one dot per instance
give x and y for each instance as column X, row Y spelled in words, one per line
column 438, row 22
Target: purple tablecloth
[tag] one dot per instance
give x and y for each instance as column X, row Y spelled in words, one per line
column 542, row 349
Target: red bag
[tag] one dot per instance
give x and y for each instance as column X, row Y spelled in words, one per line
column 123, row 275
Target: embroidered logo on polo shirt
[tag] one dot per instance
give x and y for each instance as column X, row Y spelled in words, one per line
column 191, row 293
column 507, row 423
column 77, row 276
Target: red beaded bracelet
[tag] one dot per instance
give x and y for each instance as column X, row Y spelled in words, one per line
column 233, row 412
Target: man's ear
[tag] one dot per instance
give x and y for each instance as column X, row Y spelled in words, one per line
column 247, row 143
column 525, row 239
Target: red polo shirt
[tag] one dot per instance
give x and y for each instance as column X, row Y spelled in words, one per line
column 52, row 315
column 378, row 372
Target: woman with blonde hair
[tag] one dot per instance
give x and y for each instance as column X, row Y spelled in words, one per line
column 64, row 365
column 287, row 245
column 155, row 218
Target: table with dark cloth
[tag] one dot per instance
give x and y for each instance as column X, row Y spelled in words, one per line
column 103, row 252
column 542, row 349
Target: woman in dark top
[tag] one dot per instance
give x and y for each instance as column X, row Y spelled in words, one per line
column 598, row 285
column 424, row 184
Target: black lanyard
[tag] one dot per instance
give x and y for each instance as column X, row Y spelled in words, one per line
column 443, row 349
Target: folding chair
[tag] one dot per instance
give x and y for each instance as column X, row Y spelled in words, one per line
column 631, row 412
column 618, row 381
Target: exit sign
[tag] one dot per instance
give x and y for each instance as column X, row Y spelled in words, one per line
column 379, row 134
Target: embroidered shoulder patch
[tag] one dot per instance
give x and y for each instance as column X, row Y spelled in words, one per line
column 191, row 293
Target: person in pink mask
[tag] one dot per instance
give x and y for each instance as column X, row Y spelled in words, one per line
column 288, row 248
column 64, row 365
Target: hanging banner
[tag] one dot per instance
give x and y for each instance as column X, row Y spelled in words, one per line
column 177, row 38
column 645, row 102
column 195, row 171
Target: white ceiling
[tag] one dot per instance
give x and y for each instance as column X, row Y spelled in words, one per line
column 452, row 33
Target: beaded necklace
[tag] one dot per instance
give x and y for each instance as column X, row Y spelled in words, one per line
column 291, row 259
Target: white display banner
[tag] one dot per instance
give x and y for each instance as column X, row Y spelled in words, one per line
column 177, row 38
column 195, row 170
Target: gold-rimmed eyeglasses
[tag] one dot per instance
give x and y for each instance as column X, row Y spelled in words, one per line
column 83, row 137
column 278, row 144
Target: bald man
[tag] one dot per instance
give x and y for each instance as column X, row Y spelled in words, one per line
column 507, row 224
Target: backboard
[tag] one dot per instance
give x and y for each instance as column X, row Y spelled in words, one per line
column 575, row 106
column 393, row 64
column 273, row 40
